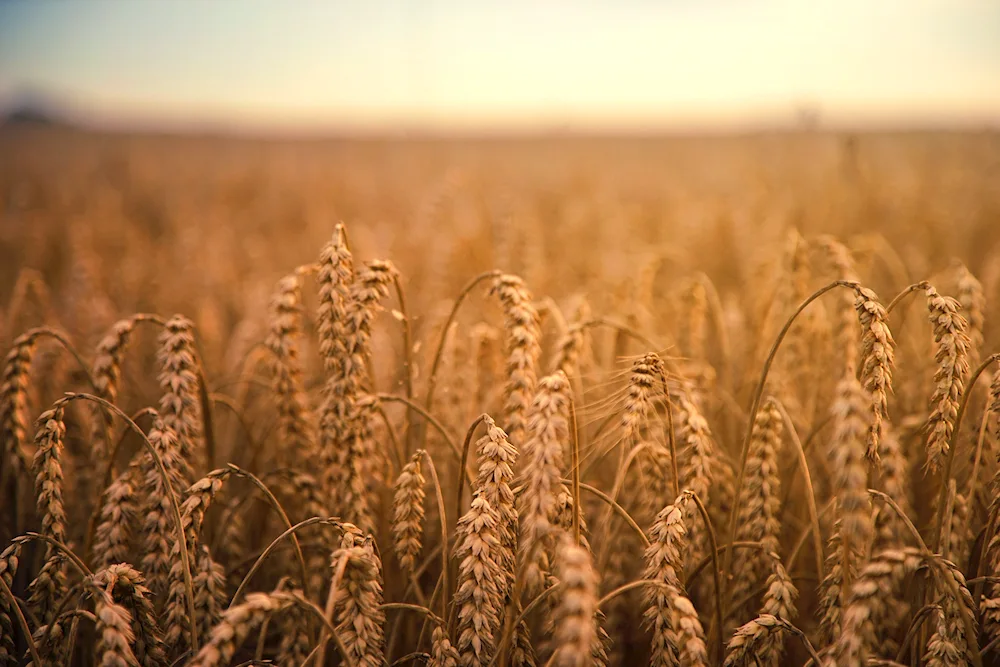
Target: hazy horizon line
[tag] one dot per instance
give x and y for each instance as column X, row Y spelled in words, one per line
column 68, row 110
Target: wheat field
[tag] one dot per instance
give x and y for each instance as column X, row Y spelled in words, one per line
column 510, row 401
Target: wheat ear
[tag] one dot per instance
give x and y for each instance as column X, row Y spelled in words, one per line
column 952, row 357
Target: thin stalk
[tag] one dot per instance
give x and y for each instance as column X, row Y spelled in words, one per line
column 63, row 548
column 717, row 621
column 407, row 358
column 208, row 427
column 109, row 470
column 704, row 562
column 752, row 416
column 530, row 607
column 576, row 473
column 922, row 285
column 432, row 379
column 397, row 446
column 807, row 480
column 405, row 606
column 443, row 516
column 429, row 417
column 625, row 588
column 273, row 501
column 327, row 613
column 977, row 459
column 911, row 632
column 953, row 445
column 619, row 509
column 622, row 328
column 327, row 625
column 25, row 630
column 329, row 521
column 464, row 461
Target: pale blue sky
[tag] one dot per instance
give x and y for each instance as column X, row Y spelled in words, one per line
column 448, row 63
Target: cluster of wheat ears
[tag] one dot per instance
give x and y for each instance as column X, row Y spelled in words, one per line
column 577, row 507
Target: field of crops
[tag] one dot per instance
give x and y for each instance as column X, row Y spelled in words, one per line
column 509, row 401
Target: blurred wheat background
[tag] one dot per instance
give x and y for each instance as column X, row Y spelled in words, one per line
column 342, row 357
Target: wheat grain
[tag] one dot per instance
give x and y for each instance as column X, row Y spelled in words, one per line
column 497, row 458
column 408, row 512
column 336, row 273
column 548, row 434
column 973, row 300
column 107, row 373
column 952, row 357
column 877, row 358
column 179, row 405
column 9, row 560
column 49, row 444
column 158, row 521
column 114, row 633
column 759, row 516
column 575, row 622
column 127, row 587
column 113, row 537
column 478, row 599
column 779, row 601
column 358, row 604
column 294, row 418
column 746, row 645
column 678, row 637
column 236, row 624
column 443, row 654
column 521, row 326
column 14, row 386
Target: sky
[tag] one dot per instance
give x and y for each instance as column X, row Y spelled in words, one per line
column 478, row 63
